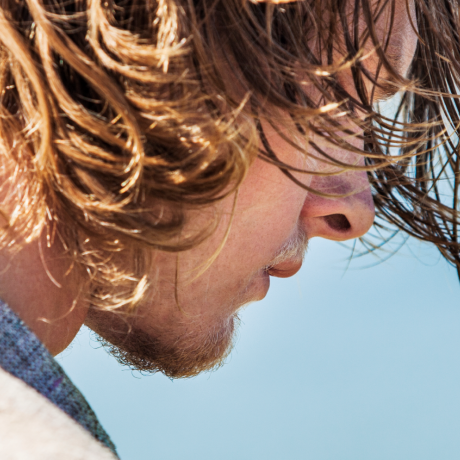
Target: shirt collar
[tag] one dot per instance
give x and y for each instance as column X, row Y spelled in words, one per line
column 25, row 357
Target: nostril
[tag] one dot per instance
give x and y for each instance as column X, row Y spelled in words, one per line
column 338, row 222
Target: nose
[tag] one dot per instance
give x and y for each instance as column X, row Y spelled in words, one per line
column 343, row 218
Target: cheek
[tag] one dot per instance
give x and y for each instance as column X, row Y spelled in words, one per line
column 267, row 192
column 268, row 209
column 288, row 144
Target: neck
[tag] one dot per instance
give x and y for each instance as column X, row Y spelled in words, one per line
column 36, row 286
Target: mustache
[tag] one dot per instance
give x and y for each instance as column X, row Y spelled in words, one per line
column 294, row 248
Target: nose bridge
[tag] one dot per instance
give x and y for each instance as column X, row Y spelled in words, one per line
column 346, row 217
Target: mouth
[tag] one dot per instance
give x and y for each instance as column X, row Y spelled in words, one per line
column 285, row 269
column 288, row 259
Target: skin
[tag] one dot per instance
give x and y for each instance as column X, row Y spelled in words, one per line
column 270, row 212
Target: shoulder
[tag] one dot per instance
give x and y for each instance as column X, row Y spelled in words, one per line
column 32, row 428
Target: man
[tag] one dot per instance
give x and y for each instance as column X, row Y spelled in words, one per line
column 163, row 159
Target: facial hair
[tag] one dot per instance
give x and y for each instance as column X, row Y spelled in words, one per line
column 180, row 355
column 184, row 350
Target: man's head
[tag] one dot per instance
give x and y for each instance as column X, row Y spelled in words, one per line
column 182, row 152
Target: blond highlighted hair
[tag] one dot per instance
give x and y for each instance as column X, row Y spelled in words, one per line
column 116, row 117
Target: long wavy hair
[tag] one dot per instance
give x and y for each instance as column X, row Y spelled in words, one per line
column 119, row 116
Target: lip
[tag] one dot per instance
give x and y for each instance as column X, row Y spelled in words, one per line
column 285, row 269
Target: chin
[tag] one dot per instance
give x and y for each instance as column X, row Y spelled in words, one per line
column 180, row 353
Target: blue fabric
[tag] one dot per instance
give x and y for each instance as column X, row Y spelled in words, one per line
column 25, row 357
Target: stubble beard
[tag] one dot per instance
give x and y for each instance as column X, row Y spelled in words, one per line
column 189, row 347
column 180, row 354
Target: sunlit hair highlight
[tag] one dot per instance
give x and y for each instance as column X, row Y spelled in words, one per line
column 118, row 117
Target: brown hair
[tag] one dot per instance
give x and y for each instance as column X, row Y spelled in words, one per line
column 420, row 195
column 118, row 117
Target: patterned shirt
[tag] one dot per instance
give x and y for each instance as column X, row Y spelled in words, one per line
column 25, row 357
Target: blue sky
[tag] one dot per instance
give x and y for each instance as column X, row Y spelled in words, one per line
column 335, row 364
